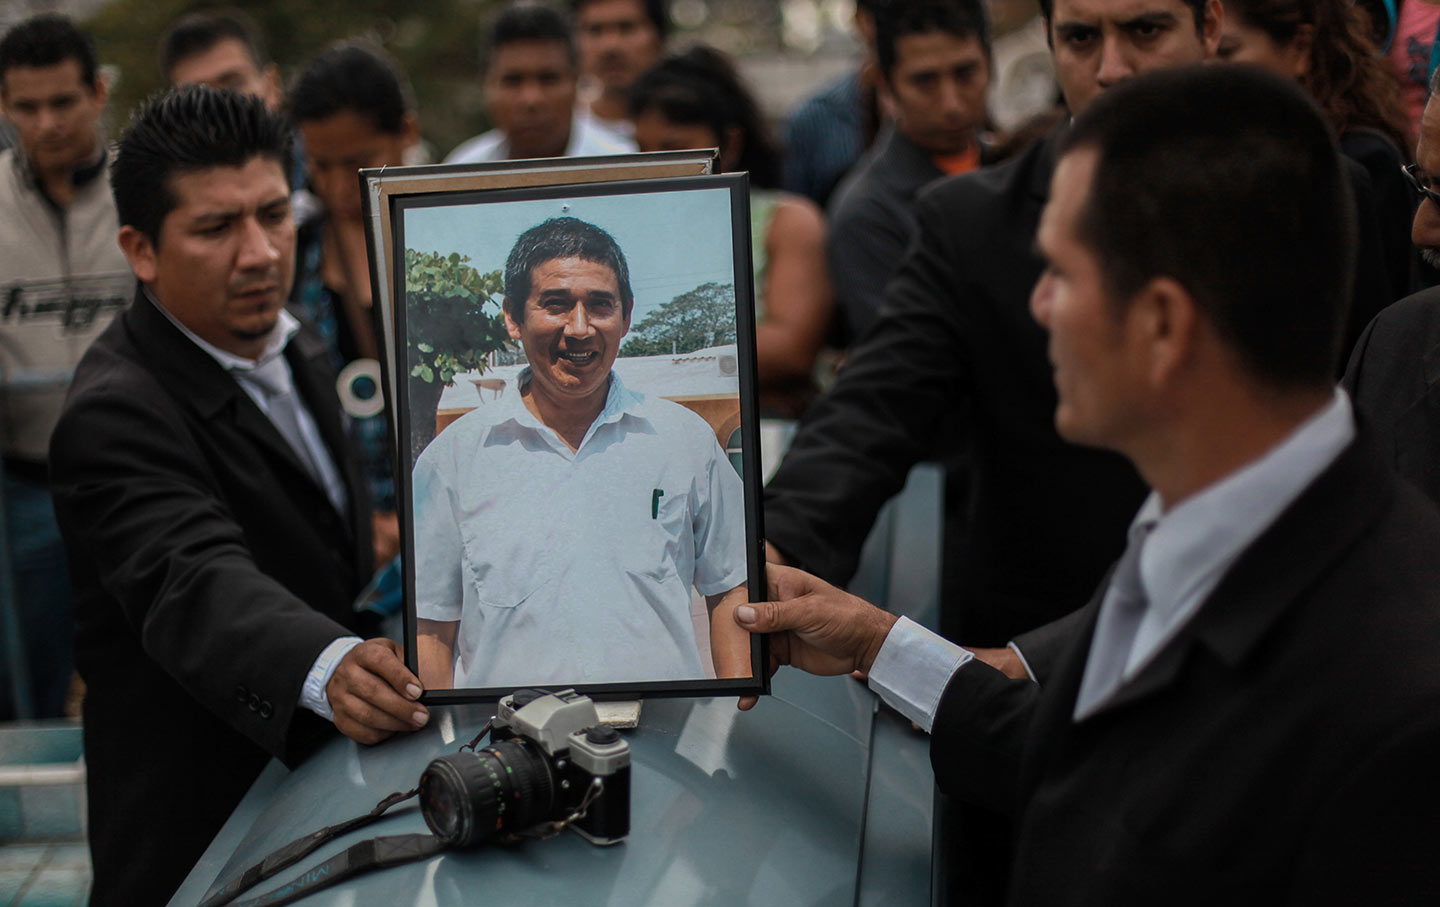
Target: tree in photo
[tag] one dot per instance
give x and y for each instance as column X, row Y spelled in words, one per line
column 452, row 324
column 701, row 318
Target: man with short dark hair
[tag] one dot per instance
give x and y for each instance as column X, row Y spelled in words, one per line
column 222, row 49
column 1031, row 520
column 530, row 84
column 217, row 523
column 520, row 580
column 62, row 279
column 934, row 60
column 618, row 40
column 1249, row 705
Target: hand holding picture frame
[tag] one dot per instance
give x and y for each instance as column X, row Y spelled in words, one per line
column 580, row 488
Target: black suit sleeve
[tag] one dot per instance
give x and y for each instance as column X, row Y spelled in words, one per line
column 139, row 505
column 881, row 417
column 979, row 734
column 863, row 251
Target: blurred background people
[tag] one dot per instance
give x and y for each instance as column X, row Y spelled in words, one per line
column 62, row 278
column 530, row 89
column 617, row 40
column 222, row 49
column 696, row 100
column 826, row 134
column 934, row 65
column 1325, row 45
column 355, row 110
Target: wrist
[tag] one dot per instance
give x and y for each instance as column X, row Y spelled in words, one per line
column 884, row 621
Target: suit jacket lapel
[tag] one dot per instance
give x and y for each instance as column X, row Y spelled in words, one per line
column 1308, row 536
column 211, row 390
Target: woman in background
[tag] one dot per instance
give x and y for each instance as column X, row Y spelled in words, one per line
column 696, row 100
column 1326, row 46
column 354, row 110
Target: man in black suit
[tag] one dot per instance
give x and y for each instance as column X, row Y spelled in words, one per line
column 216, row 523
column 1250, row 708
column 1031, row 521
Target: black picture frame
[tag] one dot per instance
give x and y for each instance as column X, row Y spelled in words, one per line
column 617, row 206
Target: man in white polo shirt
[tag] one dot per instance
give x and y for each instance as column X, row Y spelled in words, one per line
column 558, row 536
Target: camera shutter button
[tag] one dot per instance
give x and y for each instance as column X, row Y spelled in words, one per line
column 602, row 735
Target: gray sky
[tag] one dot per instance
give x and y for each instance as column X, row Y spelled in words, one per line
column 673, row 241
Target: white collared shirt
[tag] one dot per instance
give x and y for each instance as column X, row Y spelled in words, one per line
column 575, row 566
column 1185, row 556
column 587, row 139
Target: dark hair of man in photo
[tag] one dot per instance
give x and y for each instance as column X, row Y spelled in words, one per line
column 562, row 237
column 186, row 130
column 199, row 32
column 46, row 40
column 896, row 20
column 1210, row 200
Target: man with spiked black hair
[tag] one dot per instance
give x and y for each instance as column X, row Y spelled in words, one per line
column 217, row 523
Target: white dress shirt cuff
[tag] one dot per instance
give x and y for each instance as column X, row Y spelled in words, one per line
column 913, row 668
column 1023, row 663
column 312, row 694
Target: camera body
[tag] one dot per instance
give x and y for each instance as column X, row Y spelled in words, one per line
column 565, row 726
column 549, row 756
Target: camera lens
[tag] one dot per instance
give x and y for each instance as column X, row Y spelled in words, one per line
column 468, row 798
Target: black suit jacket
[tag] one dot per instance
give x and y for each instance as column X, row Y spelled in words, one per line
column 1031, row 521
column 1394, row 378
column 209, row 572
column 1280, row 750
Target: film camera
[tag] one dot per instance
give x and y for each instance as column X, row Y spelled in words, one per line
column 550, row 763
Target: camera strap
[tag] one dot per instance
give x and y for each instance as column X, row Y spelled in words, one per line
column 297, row 850
column 300, row 848
column 358, row 858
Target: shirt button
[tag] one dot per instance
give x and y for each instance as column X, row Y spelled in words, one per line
column 254, row 702
column 241, row 694
column 266, row 710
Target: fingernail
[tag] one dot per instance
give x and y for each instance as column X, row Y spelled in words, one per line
column 420, row 718
column 746, row 614
column 412, row 691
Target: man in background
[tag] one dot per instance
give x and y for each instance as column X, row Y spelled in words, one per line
column 618, row 40
column 530, row 84
column 62, row 278
column 934, row 62
column 222, row 49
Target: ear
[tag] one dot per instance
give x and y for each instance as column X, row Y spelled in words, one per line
column 1210, row 27
column 732, row 145
column 511, row 327
column 1163, row 322
column 102, row 90
column 274, row 91
column 1299, row 51
column 410, row 131
column 140, row 251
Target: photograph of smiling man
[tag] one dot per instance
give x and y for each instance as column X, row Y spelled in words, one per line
column 572, row 526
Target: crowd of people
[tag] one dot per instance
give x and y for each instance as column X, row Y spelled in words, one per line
column 1120, row 332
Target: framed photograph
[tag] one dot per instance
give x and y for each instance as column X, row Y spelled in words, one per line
column 579, row 456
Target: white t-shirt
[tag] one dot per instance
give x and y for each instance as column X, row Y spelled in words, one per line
column 575, row 566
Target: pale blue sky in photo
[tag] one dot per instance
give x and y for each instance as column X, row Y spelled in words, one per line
column 673, row 241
